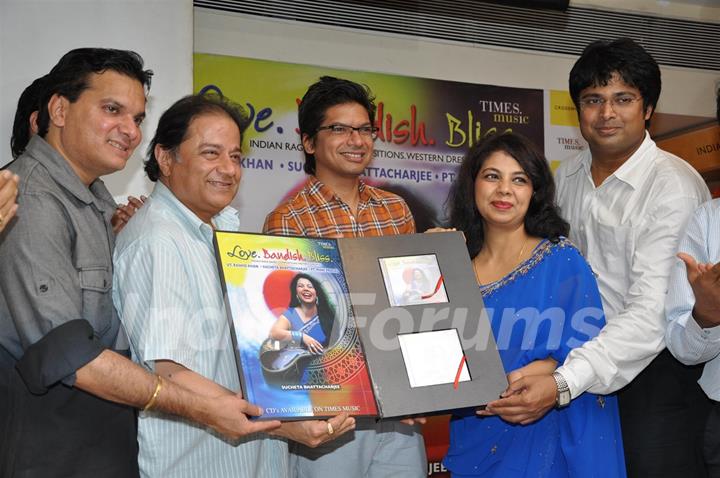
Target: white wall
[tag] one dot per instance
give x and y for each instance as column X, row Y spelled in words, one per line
column 34, row 34
column 685, row 91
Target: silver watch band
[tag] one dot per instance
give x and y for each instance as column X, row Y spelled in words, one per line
column 563, row 390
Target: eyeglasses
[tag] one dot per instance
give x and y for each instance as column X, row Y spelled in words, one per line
column 344, row 130
column 617, row 103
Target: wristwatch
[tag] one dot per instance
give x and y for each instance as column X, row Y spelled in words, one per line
column 563, row 391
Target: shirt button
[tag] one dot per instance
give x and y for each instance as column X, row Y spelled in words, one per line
column 43, row 288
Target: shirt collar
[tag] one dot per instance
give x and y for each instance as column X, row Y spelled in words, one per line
column 629, row 172
column 367, row 194
column 578, row 163
column 63, row 174
column 228, row 219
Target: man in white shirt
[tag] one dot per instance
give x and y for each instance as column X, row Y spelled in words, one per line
column 168, row 295
column 693, row 312
column 627, row 203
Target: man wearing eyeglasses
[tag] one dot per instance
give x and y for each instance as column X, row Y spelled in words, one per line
column 627, row 202
column 336, row 126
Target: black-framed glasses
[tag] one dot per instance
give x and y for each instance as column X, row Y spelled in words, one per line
column 616, row 103
column 344, row 130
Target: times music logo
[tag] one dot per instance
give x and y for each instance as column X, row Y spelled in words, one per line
column 570, row 144
column 504, row 107
column 504, row 115
column 504, row 111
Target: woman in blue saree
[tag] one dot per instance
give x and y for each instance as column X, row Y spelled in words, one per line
column 542, row 299
column 306, row 328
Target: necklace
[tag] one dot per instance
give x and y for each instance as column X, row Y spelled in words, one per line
column 517, row 260
column 522, row 249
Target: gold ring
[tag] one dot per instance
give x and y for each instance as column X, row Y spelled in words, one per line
column 2, row 220
column 330, row 428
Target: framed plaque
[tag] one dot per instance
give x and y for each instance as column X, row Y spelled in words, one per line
column 381, row 326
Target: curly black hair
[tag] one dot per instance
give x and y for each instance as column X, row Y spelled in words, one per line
column 326, row 312
column 543, row 215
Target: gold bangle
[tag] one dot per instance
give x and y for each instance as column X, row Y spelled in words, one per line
column 155, row 394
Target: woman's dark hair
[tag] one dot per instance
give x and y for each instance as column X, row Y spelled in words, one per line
column 28, row 103
column 325, row 94
column 602, row 59
column 175, row 122
column 424, row 278
column 543, row 216
column 326, row 312
column 71, row 76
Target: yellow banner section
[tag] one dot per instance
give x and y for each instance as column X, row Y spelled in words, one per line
column 562, row 109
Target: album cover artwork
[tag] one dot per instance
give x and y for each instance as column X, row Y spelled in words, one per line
column 292, row 325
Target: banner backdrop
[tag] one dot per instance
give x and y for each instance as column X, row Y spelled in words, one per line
column 425, row 128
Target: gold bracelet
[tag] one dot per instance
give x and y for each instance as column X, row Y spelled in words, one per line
column 155, row 394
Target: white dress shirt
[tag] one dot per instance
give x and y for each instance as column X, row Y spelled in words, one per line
column 628, row 228
column 688, row 342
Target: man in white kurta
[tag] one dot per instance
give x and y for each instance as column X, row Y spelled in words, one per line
column 168, row 295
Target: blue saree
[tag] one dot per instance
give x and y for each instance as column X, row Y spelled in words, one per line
column 548, row 305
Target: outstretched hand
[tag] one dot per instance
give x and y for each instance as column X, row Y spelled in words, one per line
column 412, row 421
column 124, row 212
column 536, row 367
column 229, row 416
column 704, row 280
column 8, row 197
column 525, row 401
column 315, row 432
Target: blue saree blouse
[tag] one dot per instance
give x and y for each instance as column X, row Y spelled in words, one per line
column 547, row 306
column 311, row 327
